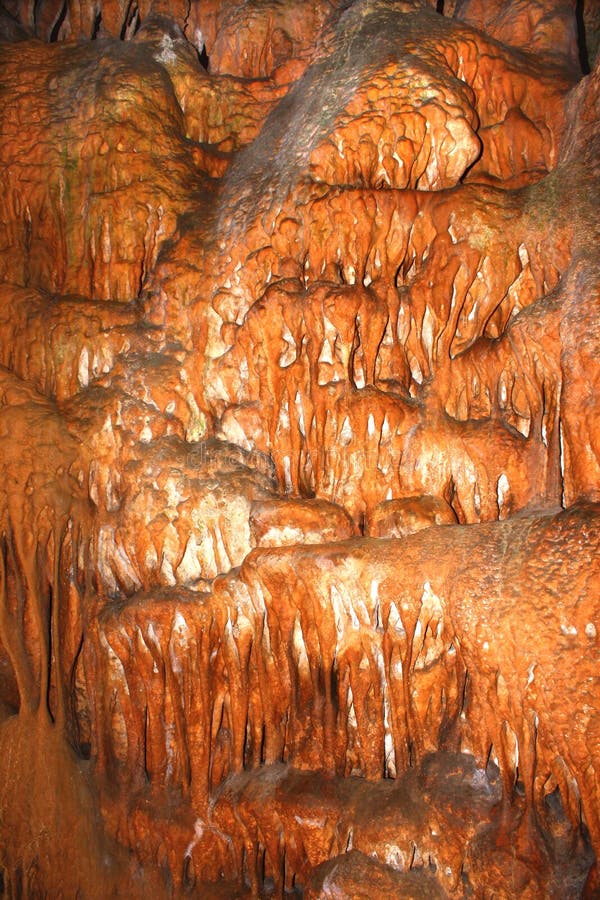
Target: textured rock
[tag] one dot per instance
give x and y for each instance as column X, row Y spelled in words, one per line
column 82, row 103
column 547, row 29
column 416, row 837
column 299, row 448
column 398, row 518
column 251, row 40
column 275, row 523
column 338, row 818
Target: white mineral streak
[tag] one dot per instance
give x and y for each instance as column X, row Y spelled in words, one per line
column 83, row 369
column 189, row 569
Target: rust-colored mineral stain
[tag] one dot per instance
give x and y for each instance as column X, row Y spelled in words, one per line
column 300, row 449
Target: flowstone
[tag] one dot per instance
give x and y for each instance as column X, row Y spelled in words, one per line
column 300, row 449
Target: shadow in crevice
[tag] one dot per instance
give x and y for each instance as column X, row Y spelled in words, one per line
column 57, row 27
column 581, row 38
column 203, row 58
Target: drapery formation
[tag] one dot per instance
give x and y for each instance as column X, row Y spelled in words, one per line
column 300, row 449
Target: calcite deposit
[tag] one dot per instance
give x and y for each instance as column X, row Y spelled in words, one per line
column 300, row 449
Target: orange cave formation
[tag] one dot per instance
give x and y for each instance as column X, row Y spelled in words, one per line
column 300, row 449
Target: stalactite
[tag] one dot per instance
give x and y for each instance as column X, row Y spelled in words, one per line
column 299, row 449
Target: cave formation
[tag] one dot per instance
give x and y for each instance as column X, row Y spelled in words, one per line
column 300, row 448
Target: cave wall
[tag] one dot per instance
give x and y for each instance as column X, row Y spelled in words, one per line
column 300, row 448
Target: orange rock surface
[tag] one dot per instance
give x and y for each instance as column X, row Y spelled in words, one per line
column 300, row 449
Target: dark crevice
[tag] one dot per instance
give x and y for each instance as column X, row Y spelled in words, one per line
column 584, row 61
column 56, row 28
column 131, row 22
column 49, row 610
column 126, row 20
column 188, row 877
column 97, row 25
column 439, row 7
column 36, row 9
column 81, row 745
column 203, row 58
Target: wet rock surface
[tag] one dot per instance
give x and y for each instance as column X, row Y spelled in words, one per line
column 300, row 449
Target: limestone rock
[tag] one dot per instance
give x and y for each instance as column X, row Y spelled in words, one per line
column 299, row 445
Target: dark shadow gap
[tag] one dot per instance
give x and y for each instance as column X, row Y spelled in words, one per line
column 584, row 61
column 131, row 22
column 203, row 58
column 56, row 28
column 97, row 25
column 36, row 10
